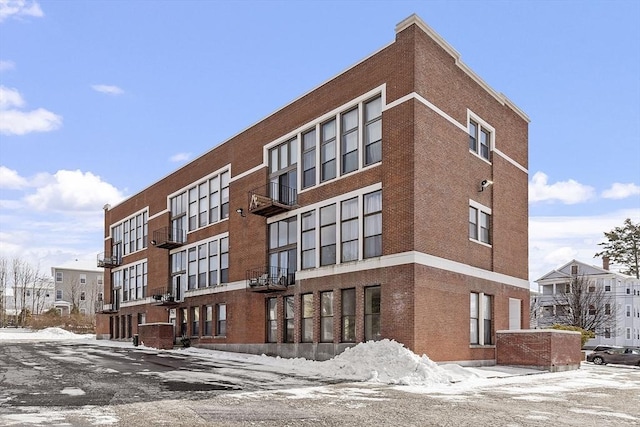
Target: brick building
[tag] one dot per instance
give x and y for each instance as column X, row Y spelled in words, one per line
column 389, row 202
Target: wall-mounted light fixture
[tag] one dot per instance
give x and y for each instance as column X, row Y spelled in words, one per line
column 241, row 212
column 485, row 184
column 153, row 242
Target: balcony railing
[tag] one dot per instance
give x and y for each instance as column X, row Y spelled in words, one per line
column 269, row 279
column 108, row 308
column 272, row 199
column 106, row 260
column 162, row 296
column 169, row 238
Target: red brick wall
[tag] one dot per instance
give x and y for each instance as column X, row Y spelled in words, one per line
column 427, row 176
column 156, row 335
column 542, row 349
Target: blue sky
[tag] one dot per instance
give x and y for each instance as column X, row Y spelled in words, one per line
column 100, row 99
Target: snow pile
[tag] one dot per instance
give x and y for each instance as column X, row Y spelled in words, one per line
column 48, row 334
column 388, row 362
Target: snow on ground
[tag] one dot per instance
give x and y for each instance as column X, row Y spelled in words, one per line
column 48, row 334
column 381, row 362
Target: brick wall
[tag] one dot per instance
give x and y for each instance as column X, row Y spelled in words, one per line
column 541, row 349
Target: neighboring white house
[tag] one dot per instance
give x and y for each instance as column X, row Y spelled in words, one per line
column 36, row 297
column 78, row 283
column 624, row 289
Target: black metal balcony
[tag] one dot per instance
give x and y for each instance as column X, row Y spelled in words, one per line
column 169, row 238
column 272, row 199
column 162, row 297
column 108, row 308
column 269, row 279
column 106, row 260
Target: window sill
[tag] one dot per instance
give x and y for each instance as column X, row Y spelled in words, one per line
column 479, row 156
column 219, row 336
column 482, row 346
column 480, row 243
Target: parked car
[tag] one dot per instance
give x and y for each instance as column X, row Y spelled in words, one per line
column 620, row 356
column 605, row 347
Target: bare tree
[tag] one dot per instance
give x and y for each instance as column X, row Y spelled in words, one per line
column 23, row 275
column 4, row 279
column 586, row 305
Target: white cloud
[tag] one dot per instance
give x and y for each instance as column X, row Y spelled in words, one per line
column 621, row 191
column 9, row 179
column 108, row 89
column 17, row 122
column 7, row 65
column 568, row 192
column 19, row 8
column 556, row 240
column 73, row 191
column 10, row 98
column 180, row 157
column 14, row 122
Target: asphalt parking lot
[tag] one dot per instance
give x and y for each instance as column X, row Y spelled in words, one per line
column 82, row 384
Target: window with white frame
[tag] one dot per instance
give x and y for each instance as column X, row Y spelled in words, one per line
column 480, row 319
column 208, row 320
column 83, row 296
column 479, row 223
column 59, row 276
column 480, row 135
column 83, row 279
column 326, row 316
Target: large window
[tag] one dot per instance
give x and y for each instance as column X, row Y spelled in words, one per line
column 272, row 320
column 221, row 319
column 349, row 231
column 349, row 140
column 283, row 168
column 59, row 276
column 479, row 225
column 480, row 319
column 307, row 318
column 328, row 235
column 373, row 224
column 348, row 315
column 195, row 321
column 373, row 131
column 309, row 158
column 133, row 280
column 130, row 235
column 204, row 203
column 326, row 316
column 308, row 240
column 204, row 265
column 283, row 248
column 372, row 313
column 208, row 320
column 328, row 150
column 479, row 139
column 289, row 319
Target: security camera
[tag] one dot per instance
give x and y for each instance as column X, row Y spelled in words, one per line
column 484, row 184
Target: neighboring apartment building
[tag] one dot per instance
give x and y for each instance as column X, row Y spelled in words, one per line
column 79, row 284
column 389, row 202
column 36, row 297
column 624, row 294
